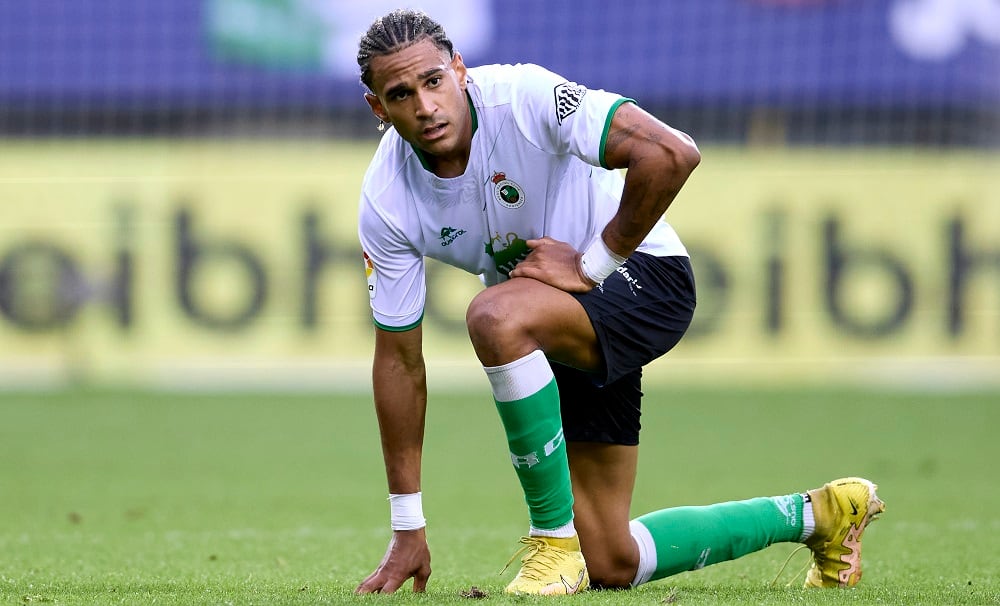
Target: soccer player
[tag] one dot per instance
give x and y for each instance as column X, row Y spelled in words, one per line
column 511, row 173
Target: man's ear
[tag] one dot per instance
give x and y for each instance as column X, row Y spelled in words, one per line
column 377, row 108
column 458, row 64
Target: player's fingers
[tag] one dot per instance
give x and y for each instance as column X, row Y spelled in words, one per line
column 392, row 584
column 372, row 584
column 361, row 588
column 420, row 579
column 524, row 269
column 364, row 588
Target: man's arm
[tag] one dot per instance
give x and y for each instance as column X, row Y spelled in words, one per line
column 659, row 160
column 400, row 387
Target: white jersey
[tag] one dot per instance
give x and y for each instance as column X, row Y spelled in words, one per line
column 535, row 169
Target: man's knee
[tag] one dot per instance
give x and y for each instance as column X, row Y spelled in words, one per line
column 494, row 312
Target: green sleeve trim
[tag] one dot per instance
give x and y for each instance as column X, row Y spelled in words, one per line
column 607, row 126
column 398, row 328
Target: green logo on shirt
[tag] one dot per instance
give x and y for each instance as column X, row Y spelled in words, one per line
column 449, row 235
column 506, row 255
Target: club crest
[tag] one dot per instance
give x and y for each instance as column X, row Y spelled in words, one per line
column 507, row 193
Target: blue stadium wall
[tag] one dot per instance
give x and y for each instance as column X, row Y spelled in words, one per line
column 847, row 56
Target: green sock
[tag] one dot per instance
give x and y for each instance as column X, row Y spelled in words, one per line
column 688, row 538
column 527, row 399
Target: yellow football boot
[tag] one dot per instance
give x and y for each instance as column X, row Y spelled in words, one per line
column 549, row 566
column 842, row 510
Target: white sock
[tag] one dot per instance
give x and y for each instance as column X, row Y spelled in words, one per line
column 565, row 531
column 647, row 552
column 808, row 520
column 521, row 378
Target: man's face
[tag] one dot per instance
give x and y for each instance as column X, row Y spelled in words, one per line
column 421, row 92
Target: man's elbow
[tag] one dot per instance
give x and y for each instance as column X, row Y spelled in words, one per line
column 685, row 153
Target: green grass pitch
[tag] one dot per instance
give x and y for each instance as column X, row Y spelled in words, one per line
column 115, row 497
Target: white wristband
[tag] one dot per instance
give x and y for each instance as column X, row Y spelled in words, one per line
column 406, row 511
column 598, row 262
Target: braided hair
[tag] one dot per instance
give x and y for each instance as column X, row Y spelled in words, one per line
column 395, row 31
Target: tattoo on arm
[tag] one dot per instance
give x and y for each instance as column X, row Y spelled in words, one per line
column 615, row 150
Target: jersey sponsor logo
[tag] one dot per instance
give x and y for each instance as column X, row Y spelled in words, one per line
column 449, row 235
column 569, row 96
column 370, row 275
column 507, row 252
column 508, row 193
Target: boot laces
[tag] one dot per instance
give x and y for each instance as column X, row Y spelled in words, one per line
column 774, row 581
column 539, row 559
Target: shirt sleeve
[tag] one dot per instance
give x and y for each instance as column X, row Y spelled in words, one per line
column 560, row 116
column 394, row 270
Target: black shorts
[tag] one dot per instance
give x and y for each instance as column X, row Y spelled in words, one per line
column 639, row 313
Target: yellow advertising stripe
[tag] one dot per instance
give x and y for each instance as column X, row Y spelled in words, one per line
column 123, row 260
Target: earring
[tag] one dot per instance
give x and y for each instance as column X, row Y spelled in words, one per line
column 381, row 126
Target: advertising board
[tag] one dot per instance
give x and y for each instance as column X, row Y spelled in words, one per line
column 188, row 263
